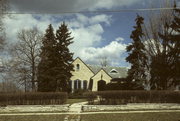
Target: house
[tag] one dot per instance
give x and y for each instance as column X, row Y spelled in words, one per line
column 91, row 76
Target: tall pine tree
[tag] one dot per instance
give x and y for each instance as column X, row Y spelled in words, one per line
column 55, row 68
column 46, row 80
column 137, row 56
column 175, row 50
column 64, row 57
column 165, row 71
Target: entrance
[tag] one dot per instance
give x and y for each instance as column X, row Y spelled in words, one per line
column 101, row 85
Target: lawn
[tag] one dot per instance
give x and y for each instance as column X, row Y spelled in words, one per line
column 101, row 117
column 71, row 101
column 133, row 117
column 33, row 118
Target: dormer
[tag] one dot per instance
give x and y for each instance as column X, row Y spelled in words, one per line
column 113, row 71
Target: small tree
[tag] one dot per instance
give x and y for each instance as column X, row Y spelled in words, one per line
column 104, row 62
column 137, row 56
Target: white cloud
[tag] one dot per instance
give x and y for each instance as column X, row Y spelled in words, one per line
column 114, row 52
column 13, row 24
column 86, row 37
column 119, row 39
column 100, row 18
column 86, row 30
column 81, row 20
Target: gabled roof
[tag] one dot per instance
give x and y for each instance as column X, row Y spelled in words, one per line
column 100, row 71
column 121, row 71
column 84, row 64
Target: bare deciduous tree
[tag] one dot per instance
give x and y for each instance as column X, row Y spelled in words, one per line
column 156, row 46
column 104, row 61
column 8, row 86
column 157, row 24
column 3, row 8
column 16, row 72
column 26, row 55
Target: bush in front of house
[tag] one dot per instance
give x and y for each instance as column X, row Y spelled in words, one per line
column 77, row 94
column 90, row 96
column 134, row 96
column 123, row 84
column 33, row 98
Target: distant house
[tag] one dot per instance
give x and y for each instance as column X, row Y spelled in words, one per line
column 91, row 76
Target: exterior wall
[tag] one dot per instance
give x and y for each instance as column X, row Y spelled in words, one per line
column 83, row 73
column 101, row 74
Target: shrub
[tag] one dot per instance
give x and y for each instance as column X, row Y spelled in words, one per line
column 116, row 86
column 135, row 96
column 90, row 96
column 77, row 94
column 123, row 84
column 35, row 98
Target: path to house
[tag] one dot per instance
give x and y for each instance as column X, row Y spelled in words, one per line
column 76, row 107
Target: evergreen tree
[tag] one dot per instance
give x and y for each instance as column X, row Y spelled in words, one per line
column 137, row 56
column 56, row 60
column 46, row 80
column 165, row 70
column 175, row 50
column 64, row 57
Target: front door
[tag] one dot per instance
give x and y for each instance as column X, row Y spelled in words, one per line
column 101, row 85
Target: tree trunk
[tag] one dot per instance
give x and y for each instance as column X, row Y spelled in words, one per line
column 33, row 77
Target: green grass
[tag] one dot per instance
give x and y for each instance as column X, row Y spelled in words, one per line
column 133, row 117
column 71, row 101
column 173, row 116
column 33, row 118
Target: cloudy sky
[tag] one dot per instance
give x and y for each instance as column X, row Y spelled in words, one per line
column 96, row 34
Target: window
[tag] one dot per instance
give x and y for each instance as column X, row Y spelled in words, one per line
column 113, row 71
column 77, row 84
column 84, row 84
column 77, row 67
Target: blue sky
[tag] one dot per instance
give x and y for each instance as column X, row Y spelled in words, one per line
column 96, row 35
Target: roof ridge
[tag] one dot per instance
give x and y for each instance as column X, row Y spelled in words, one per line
column 106, row 66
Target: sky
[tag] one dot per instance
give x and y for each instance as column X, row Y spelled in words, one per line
column 96, row 34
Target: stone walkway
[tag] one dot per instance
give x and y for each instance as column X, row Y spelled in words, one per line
column 72, row 118
column 76, row 107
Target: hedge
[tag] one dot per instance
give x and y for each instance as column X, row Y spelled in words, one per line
column 35, row 98
column 124, row 97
